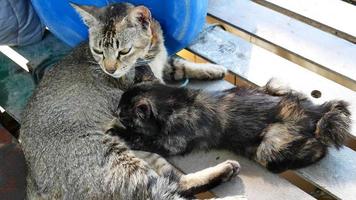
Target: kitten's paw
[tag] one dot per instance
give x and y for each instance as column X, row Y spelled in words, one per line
column 230, row 169
column 277, row 87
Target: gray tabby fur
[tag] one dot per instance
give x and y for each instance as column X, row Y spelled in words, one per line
column 69, row 153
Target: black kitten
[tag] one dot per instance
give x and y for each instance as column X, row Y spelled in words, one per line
column 280, row 129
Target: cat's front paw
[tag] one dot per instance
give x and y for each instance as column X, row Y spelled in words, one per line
column 211, row 71
column 229, row 169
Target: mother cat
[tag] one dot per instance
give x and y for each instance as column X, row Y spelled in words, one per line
column 67, row 153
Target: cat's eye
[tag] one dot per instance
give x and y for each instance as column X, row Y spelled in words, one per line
column 125, row 51
column 97, row 51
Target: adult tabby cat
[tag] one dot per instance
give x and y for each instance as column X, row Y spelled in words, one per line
column 122, row 36
column 279, row 128
column 63, row 134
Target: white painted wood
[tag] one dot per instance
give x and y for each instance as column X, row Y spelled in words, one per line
column 254, row 181
column 333, row 13
column 336, row 173
column 14, row 56
column 311, row 43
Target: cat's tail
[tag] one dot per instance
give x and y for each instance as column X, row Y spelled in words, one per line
column 334, row 126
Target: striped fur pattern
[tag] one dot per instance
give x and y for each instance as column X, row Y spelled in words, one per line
column 122, row 36
column 277, row 127
column 70, row 153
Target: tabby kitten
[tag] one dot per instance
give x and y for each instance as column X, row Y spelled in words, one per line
column 278, row 128
column 122, row 36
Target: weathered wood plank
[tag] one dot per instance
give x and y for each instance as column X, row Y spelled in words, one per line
column 325, row 53
column 253, row 181
column 336, row 173
column 259, row 65
column 333, row 16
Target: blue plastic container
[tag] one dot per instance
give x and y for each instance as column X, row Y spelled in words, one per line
column 181, row 20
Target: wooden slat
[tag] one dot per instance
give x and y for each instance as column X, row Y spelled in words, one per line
column 322, row 52
column 254, row 182
column 333, row 16
column 336, row 173
column 258, row 65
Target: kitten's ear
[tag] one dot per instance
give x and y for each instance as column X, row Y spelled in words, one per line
column 89, row 14
column 143, row 109
column 141, row 15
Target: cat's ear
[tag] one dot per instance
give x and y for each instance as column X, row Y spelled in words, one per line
column 89, row 14
column 144, row 109
column 141, row 15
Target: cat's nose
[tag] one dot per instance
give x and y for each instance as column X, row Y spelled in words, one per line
column 110, row 65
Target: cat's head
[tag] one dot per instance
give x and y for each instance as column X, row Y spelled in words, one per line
column 145, row 107
column 119, row 35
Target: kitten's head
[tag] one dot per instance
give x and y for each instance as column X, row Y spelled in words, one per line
column 119, row 35
column 146, row 107
column 138, row 111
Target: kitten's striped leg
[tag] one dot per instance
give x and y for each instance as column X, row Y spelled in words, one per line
column 178, row 69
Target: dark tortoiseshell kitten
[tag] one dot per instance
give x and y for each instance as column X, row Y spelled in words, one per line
column 279, row 128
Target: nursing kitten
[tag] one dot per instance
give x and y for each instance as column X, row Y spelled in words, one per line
column 278, row 128
column 122, row 36
column 70, row 153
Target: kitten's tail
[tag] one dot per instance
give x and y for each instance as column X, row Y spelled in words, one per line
column 334, row 125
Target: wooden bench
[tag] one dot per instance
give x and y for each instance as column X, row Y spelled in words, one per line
column 255, row 41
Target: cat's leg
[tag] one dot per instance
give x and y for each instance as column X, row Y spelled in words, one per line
column 276, row 87
column 301, row 139
column 208, row 178
column 178, row 69
column 281, row 150
column 193, row 183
